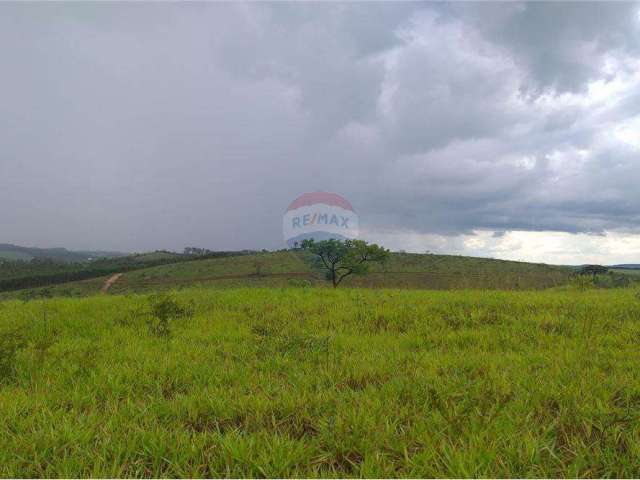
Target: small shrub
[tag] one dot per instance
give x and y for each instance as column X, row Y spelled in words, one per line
column 163, row 309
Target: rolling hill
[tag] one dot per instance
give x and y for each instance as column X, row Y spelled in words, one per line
column 294, row 268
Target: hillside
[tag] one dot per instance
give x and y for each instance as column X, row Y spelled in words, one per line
column 47, row 272
column 294, row 268
column 401, row 271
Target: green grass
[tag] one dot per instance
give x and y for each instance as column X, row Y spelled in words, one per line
column 320, row 382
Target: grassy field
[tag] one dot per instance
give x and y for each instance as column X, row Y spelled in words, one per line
column 293, row 268
column 319, row 382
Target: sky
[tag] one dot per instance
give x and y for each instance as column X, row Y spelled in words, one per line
column 506, row 130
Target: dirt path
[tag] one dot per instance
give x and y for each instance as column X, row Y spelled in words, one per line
column 107, row 285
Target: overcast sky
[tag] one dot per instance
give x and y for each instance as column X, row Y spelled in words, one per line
column 509, row 130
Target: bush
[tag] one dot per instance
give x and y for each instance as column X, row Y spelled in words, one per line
column 163, row 309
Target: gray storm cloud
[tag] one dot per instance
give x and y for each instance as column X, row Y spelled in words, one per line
column 159, row 125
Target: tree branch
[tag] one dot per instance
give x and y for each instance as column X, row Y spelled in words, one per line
column 343, row 276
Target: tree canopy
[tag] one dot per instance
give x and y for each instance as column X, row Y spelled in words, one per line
column 341, row 258
column 593, row 270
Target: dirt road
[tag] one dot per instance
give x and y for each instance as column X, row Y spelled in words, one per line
column 110, row 281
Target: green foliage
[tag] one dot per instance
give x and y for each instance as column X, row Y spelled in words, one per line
column 300, row 382
column 162, row 310
column 341, row 258
column 593, row 270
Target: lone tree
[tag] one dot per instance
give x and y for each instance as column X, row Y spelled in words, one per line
column 593, row 270
column 341, row 258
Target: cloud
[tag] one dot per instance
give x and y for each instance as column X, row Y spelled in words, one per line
column 562, row 45
column 138, row 126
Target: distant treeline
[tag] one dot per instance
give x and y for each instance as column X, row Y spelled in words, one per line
column 18, row 275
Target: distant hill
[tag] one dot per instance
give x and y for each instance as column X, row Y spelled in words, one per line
column 15, row 252
column 627, row 266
